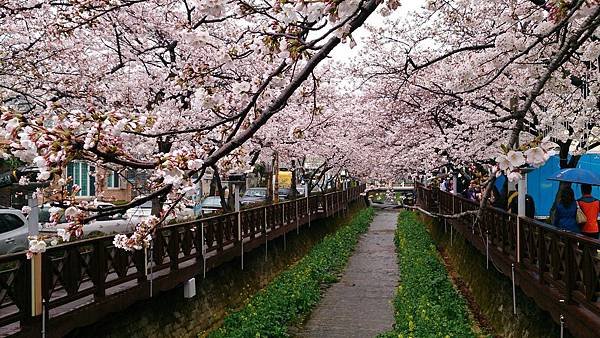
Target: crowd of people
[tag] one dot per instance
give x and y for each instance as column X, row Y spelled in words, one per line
column 570, row 214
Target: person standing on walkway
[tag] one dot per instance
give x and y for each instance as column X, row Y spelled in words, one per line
column 590, row 207
column 565, row 213
column 513, row 203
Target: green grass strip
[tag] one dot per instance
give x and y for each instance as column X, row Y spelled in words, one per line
column 426, row 303
column 297, row 290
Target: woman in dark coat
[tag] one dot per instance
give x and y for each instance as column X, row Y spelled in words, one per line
column 565, row 213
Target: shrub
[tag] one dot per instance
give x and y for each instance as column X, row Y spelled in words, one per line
column 297, row 290
column 426, row 303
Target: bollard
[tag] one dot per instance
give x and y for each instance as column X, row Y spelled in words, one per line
column 189, row 288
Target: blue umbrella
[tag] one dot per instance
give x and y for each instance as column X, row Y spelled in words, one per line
column 577, row 175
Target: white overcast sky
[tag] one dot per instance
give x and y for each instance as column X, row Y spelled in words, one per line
column 343, row 51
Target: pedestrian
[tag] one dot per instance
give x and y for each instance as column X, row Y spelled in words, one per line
column 497, row 200
column 565, row 213
column 513, row 203
column 590, row 207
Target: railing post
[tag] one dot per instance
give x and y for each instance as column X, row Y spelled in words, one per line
column 569, row 265
column 297, row 220
column 541, row 254
column 36, row 284
column 100, row 256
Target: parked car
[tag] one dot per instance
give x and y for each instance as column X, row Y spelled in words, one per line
column 302, row 190
column 209, row 205
column 254, row 195
column 13, row 231
column 284, row 193
column 140, row 212
column 103, row 225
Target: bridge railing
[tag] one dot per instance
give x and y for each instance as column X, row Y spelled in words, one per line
column 559, row 269
column 86, row 279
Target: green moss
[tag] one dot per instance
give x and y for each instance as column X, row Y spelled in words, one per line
column 426, row 303
column 296, row 291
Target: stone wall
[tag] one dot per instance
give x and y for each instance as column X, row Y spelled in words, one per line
column 492, row 291
column 225, row 287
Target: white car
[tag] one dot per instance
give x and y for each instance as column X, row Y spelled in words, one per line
column 102, row 225
column 144, row 211
column 13, row 231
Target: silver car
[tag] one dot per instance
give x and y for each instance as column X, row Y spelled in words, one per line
column 13, row 231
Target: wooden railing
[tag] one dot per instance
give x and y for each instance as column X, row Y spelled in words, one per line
column 84, row 280
column 560, row 270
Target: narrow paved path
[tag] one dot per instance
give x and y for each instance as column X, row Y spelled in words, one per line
column 359, row 305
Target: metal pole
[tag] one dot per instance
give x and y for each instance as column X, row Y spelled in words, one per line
column 562, row 320
column 451, row 233
column 241, row 238
column 151, row 265
column 236, row 189
column 203, row 251
column 43, row 318
column 297, row 220
column 514, row 291
column 487, row 250
column 518, row 244
column 445, row 226
column 562, row 326
column 266, row 235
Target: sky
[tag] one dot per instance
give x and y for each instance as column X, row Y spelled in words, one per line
column 343, row 52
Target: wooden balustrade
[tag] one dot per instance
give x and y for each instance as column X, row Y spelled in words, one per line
column 560, row 270
column 84, row 280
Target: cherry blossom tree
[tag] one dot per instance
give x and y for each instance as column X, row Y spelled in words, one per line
column 498, row 82
column 172, row 87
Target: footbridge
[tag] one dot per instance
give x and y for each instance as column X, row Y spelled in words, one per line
column 78, row 283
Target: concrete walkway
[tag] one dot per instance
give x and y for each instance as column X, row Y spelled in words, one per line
column 359, row 305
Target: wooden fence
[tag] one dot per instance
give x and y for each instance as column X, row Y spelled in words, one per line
column 82, row 281
column 560, row 270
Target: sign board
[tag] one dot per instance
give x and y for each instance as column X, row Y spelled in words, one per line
column 285, row 179
column 312, row 163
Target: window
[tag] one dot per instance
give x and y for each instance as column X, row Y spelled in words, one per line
column 9, row 222
column 83, row 176
column 112, row 180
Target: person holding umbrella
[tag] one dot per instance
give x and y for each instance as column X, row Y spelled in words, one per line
column 590, row 207
column 565, row 211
